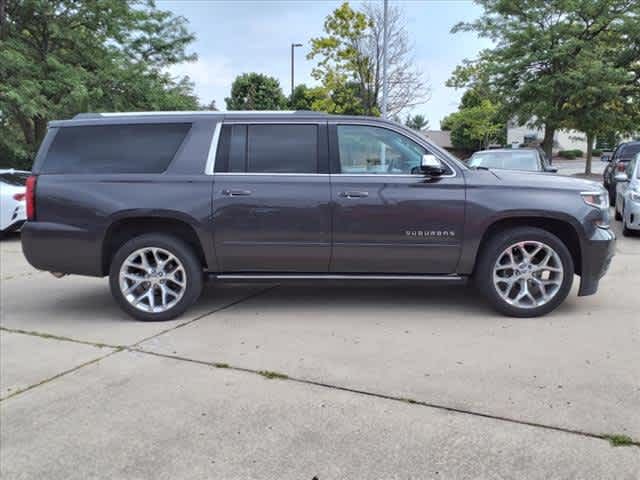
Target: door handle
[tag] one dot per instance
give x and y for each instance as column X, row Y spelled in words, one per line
column 354, row 194
column 237, row 193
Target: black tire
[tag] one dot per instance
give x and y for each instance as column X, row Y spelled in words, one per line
column 618, row 216
column 493, row 249
column 178, row 248
column 627, row 232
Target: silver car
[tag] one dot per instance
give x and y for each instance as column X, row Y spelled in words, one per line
column 628, row 197
column 527, row 159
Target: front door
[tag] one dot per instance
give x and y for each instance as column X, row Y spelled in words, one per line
column 387, row 216
column 271, row 198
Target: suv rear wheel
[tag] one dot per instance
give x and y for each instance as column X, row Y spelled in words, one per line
column 525, row 272
column 155, row 277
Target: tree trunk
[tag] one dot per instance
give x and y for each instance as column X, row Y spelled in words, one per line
column 27, row 128
column 547, row 143
column 587, row 167
column 3, row 14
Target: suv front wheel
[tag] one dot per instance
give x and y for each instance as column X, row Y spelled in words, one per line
column 525, row 272
column 155, row 277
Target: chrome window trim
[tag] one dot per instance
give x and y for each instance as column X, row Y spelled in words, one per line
column 388, row 175
column 213, row 150
column 379, row 175
column 272, row 174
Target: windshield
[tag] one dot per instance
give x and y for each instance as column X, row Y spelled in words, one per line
column 16, row 179
column 627, row 152
column 516, row 160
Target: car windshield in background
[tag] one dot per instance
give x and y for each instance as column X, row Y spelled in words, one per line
column 627, row 152
column 16, row 179
column 516, row 160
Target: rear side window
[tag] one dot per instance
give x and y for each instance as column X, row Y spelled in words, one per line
column 268, row 149
column 282, row 149
column 115, row 148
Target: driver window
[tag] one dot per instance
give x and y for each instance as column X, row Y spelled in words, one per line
column 375, row 150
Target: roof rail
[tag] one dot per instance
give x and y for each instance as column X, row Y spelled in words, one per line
column 309, row 112
column 87, row 115
column 93, row 115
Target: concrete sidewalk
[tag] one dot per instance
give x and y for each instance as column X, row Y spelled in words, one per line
column 317, row 381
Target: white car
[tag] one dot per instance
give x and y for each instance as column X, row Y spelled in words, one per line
column 628, row 197
column 12, row 200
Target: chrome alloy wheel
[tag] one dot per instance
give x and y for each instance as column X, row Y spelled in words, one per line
column 152, row 279
column 528, row 274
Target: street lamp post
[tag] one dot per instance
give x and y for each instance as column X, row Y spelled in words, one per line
column 293, row 46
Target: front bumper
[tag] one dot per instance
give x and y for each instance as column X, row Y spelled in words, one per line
column 597, row 253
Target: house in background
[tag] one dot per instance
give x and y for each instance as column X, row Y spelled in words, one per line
column 562, row 139
column 441, row 138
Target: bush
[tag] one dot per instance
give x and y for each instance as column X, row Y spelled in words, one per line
column 571, row 154
column 596, row 152
column 568, row 154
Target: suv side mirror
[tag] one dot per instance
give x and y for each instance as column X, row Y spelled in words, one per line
column 430, row 165
column 621, row 177
column 605, row 158
column 551, row 169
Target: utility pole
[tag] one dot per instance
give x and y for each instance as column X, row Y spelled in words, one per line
column 293, row 46
column 385, row 41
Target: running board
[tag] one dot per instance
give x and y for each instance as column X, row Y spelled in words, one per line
column 295, row 276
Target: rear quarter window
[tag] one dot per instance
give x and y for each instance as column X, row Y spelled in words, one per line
column 115, row 148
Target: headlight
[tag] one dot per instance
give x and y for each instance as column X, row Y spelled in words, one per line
column 598, row 199
column 634, row 196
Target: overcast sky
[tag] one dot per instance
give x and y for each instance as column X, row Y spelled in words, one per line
column 238, row 36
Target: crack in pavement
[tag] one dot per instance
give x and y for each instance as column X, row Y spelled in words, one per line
column 116, row 348
column 61, row 374
column 135, row 348
column 285, row 377
column 212, row 312
column 21, row 275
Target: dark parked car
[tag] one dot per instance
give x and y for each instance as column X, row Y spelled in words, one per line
column 527, row 159
column 617, row 163
column 159, row 202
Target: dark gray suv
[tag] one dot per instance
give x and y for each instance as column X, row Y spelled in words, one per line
column 160, row 202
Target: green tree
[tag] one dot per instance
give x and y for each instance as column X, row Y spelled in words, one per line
column 417, row 122
column 350, row 62
column 341, row 62
column 477, row 123
column 304, row 98
column 605, row 94
column 62, row 57
column 256, row 91
column 538, row 44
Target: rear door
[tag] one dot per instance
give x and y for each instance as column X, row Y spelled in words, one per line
column 388, row 217
column 271, row 197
